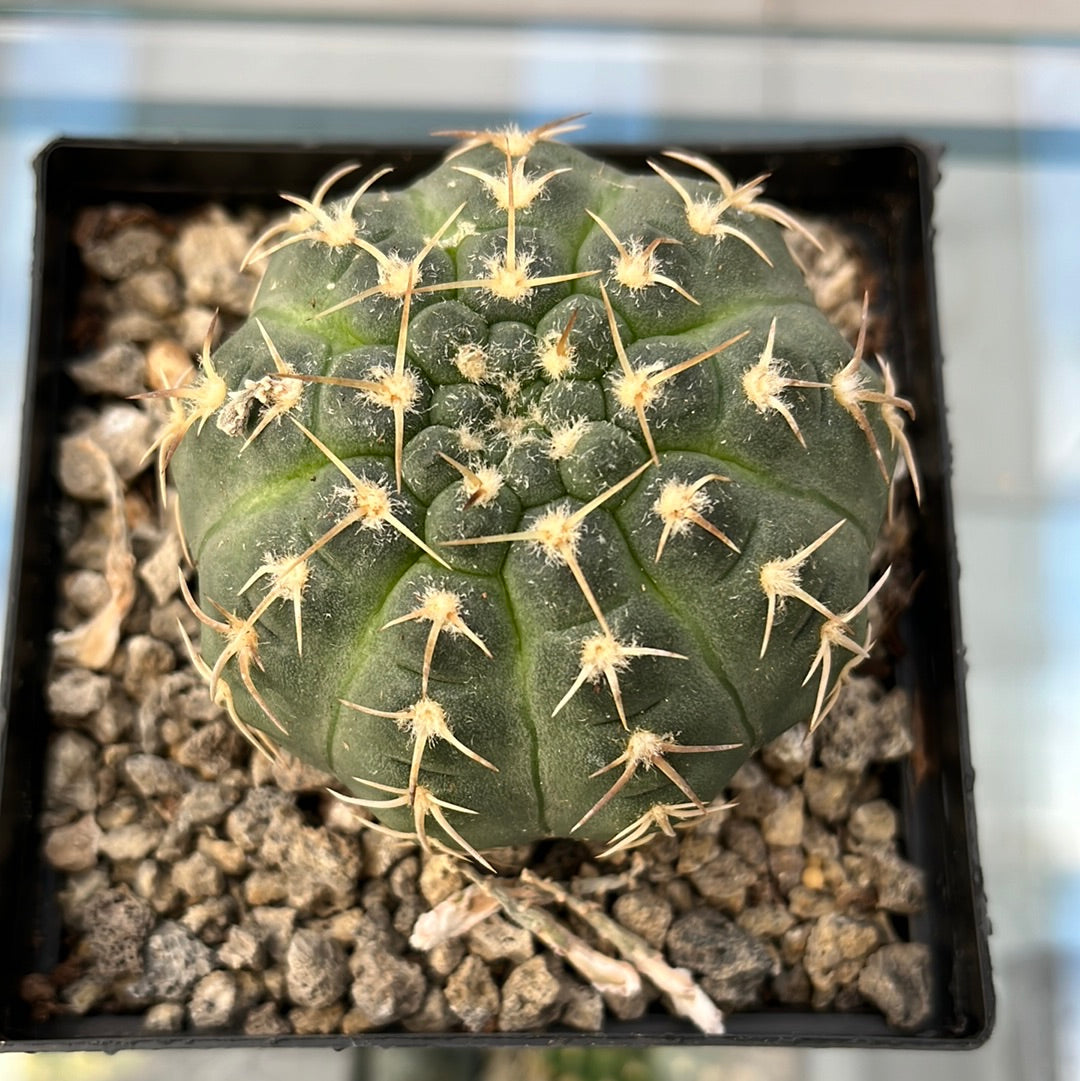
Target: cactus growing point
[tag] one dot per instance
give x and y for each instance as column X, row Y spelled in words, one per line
column 533, row 497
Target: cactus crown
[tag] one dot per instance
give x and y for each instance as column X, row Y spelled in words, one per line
column 535, row 495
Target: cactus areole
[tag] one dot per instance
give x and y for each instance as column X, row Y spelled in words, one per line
column 532, row 497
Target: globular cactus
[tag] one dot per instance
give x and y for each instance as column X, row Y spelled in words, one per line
column 533, row 497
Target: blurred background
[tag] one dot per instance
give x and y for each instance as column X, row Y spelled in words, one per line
column 996, row 83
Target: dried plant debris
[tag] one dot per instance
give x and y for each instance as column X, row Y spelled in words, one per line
column 212, row 886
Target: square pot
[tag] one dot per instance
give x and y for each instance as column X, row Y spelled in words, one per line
column 879, row 192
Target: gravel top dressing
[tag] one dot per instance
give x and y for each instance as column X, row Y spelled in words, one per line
column 207, row 888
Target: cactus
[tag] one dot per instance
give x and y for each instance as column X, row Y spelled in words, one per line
column 533, row 497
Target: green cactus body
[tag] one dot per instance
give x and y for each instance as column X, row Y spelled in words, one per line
column 533, row 497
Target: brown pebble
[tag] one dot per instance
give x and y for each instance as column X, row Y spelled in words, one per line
column 382, row 851
column 408, row 911
column 190, row 327
column 695, row 851
column 158, row 570
column 810, row 904
column 249, row 989
column 819, row 841
column 185, row 696
column 744, row 838
column 154, row 291
column 264, row 886
column 147, row 879
column 164, row 1018
column 319, row 869
column 496, row 939
column 659, row 854
column 38, row 991
column 198, row 877
column 583, row 1009
column 168, row 364
column 117, row 370
column 77, row 693
column 790, row 753
column 342, row 818
column 274, row 982
column 87, row 590
column 531, row 996
column 123, row 432
column 113, row 723
column 211, row 750
column 874, row 822
column 132, row 841
column 165, row 623
column 246, row 824
column 751, row 774
column 242, row 948
column 354, row 926
column 71, row 773
column 441, row 960
column 125, row 251
column 813, row 877
column 151, row 775
column 357, row 1021
column 783, row 825
column 175, row 960
column 203, row 804
column 316, row 1020
column 145, row 659
column 758, row 801
column 107, row 791
column 210, row 919
column 375, row 897
column 733, row 965
column 866, row 726
column 834, row 944
column 434, row 1014
column 385, row 987
column 265, row 1020
column 786, row 864
column 679, row 894
column 645, row 913
column 472, row 995
column 724, row 882
column 213, row 1000
column 766, row 921
column 208, row 252
column 84, row 993
column 117, row 924
column 793, row 943
column 78, row 889
column 829, row 793
column 290, row 774
column 228, row 856
column 624, row 1007
column 133, row 326
column 316, row 972
column 860, row 869
column 440, row 878
column 897, row 980
column 403, row 876
column 900, row 885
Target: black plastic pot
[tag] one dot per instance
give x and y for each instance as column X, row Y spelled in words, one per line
column 882, row 192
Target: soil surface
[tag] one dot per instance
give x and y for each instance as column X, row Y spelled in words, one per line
column 207, row 888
